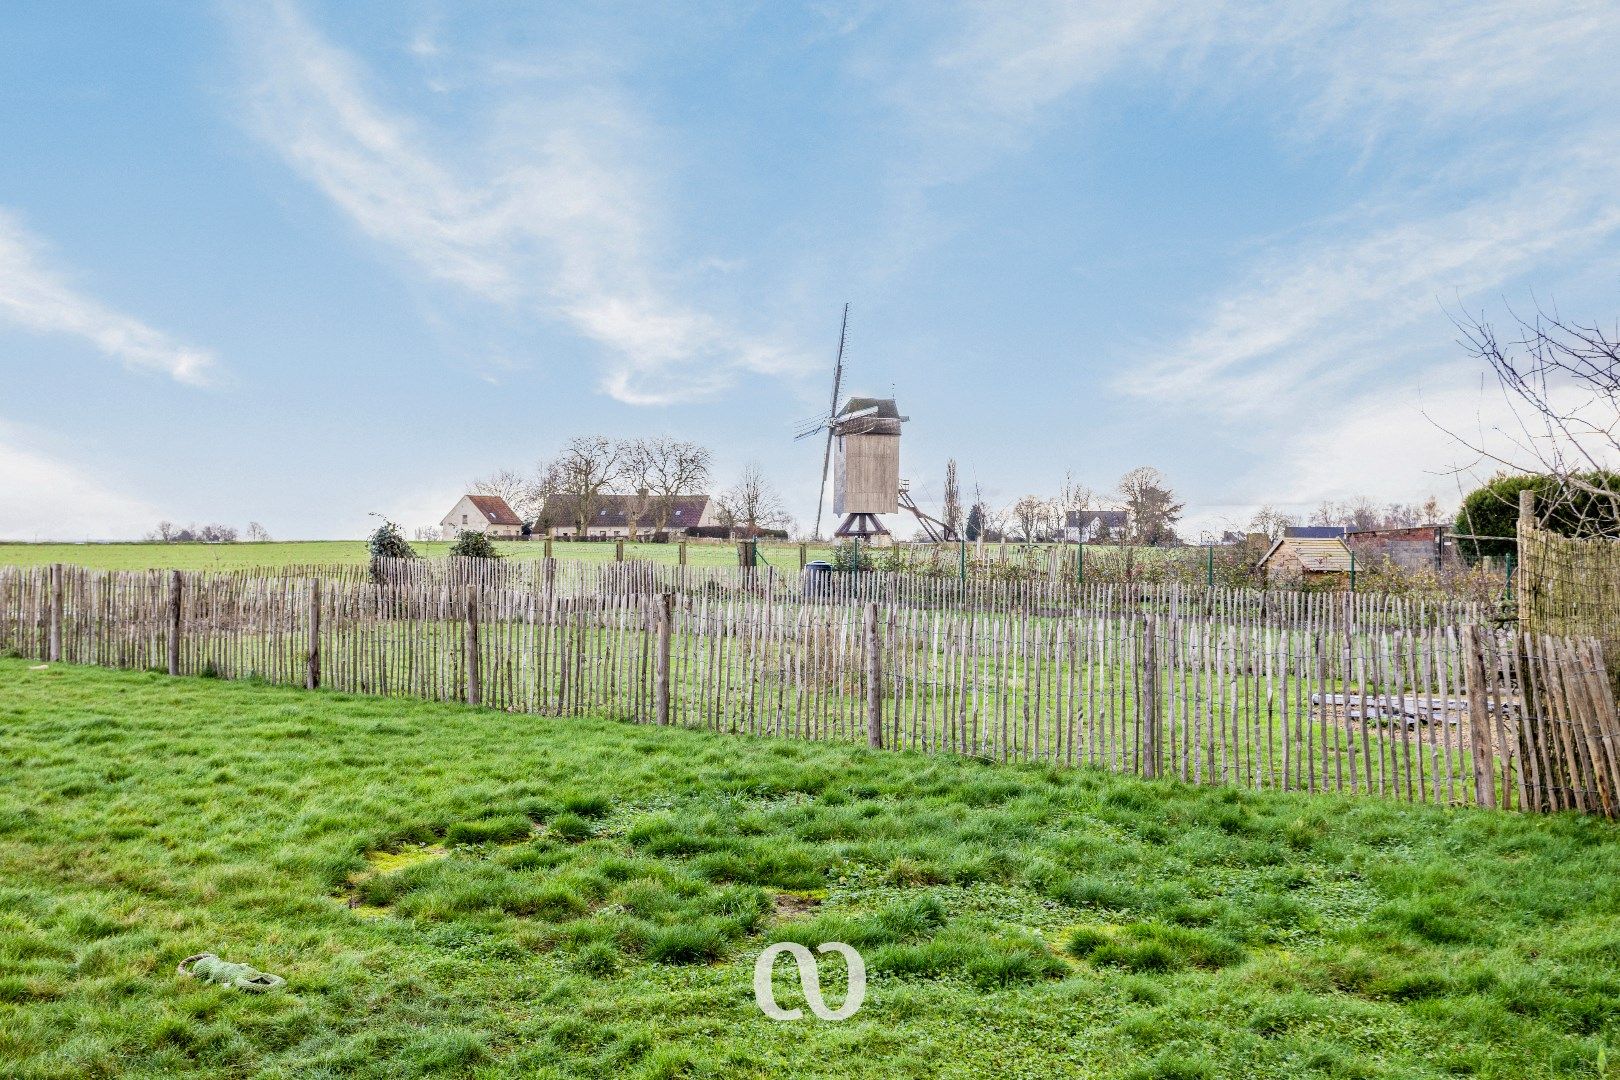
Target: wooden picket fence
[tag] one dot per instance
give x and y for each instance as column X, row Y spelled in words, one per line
column 1262, row 693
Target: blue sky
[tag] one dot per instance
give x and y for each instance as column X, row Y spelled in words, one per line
column 297, row 262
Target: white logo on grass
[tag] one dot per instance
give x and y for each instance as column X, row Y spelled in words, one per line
column 810, row 981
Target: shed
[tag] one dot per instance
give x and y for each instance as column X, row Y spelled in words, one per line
column 1295, row 557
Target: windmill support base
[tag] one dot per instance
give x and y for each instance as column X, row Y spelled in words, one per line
column 861, row 525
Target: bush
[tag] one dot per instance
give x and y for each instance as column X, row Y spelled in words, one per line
column 474, row 545
column 1493, row 510
column 389, row 543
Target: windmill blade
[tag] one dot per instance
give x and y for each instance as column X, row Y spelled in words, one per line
column 832, row 410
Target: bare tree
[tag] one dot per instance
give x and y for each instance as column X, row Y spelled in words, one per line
column 951, row 508
column 587, row 467
column 522, row 493
column 164, row 532
column 1152, row 506
column 1032, row 517
column 257, row 533
column 1270, row 522
column 663, row 469
column 752, row 504
column 1561, row 380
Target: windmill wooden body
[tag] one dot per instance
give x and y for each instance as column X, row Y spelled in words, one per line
column 866, row 474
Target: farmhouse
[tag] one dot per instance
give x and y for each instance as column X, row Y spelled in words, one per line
column 610, row 516
column 1091, row 526
column 1296, row 558
column 482, row 513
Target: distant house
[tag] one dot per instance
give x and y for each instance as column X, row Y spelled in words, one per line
column 482, row 513
column 1420, row 547
column 1092, row 526
column 1296, row 558
column 611, row 514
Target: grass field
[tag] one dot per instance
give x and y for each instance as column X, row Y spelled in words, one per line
column 239, row 556
column 583, row 898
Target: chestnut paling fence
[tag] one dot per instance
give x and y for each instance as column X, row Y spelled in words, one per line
column 1256, row 690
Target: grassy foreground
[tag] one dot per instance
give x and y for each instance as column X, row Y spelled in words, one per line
column 241, row 556
column 459, row 892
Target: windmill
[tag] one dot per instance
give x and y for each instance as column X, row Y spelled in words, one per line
column 863, row 448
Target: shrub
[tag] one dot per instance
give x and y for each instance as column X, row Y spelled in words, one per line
column 1493, row 510
column 474, row 545
column 389, row 543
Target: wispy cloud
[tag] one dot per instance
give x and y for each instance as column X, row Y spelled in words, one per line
column 44, row 498
column 39, row 298
column 1489, row 136
column 550, row 215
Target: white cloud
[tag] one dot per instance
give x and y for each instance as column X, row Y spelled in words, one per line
column 1496, row 130
column 42, row 498
column 38, row 298
column 553, row 216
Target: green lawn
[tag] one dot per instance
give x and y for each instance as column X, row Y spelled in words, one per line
column 239, row 556
column 577, row 897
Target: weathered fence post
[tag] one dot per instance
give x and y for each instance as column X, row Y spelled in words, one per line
column 546, row 551
column 874, row 681
column 53, row 642
column 1148, row 705
column 666, row 627
column 618, row 551
column 681, row 553
column 1479, row 720
column 1525, row 525
column 312, row 676
column 804, row 555
column 475, row 687
column 175, row 587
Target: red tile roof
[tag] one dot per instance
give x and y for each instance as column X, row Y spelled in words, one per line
column 494, row 508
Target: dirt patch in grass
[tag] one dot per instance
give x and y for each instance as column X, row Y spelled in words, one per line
column 794, row 905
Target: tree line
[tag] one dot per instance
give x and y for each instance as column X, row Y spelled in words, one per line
column 651, row 474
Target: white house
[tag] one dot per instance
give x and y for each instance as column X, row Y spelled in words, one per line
column 482, row 513
column 610, row 516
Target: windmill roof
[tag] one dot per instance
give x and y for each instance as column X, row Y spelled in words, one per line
column 885, row 421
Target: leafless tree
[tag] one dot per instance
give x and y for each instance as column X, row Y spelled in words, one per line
column 1270, row 522
column 427, row 532
column 522, row 493
column 752, row 504
column 951, row 507
column 662, row 469
column 257, row 533
column 165, row 532
column 587, row 467
column 1561, row 381
column 1151, row 504
column 1032, row 516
